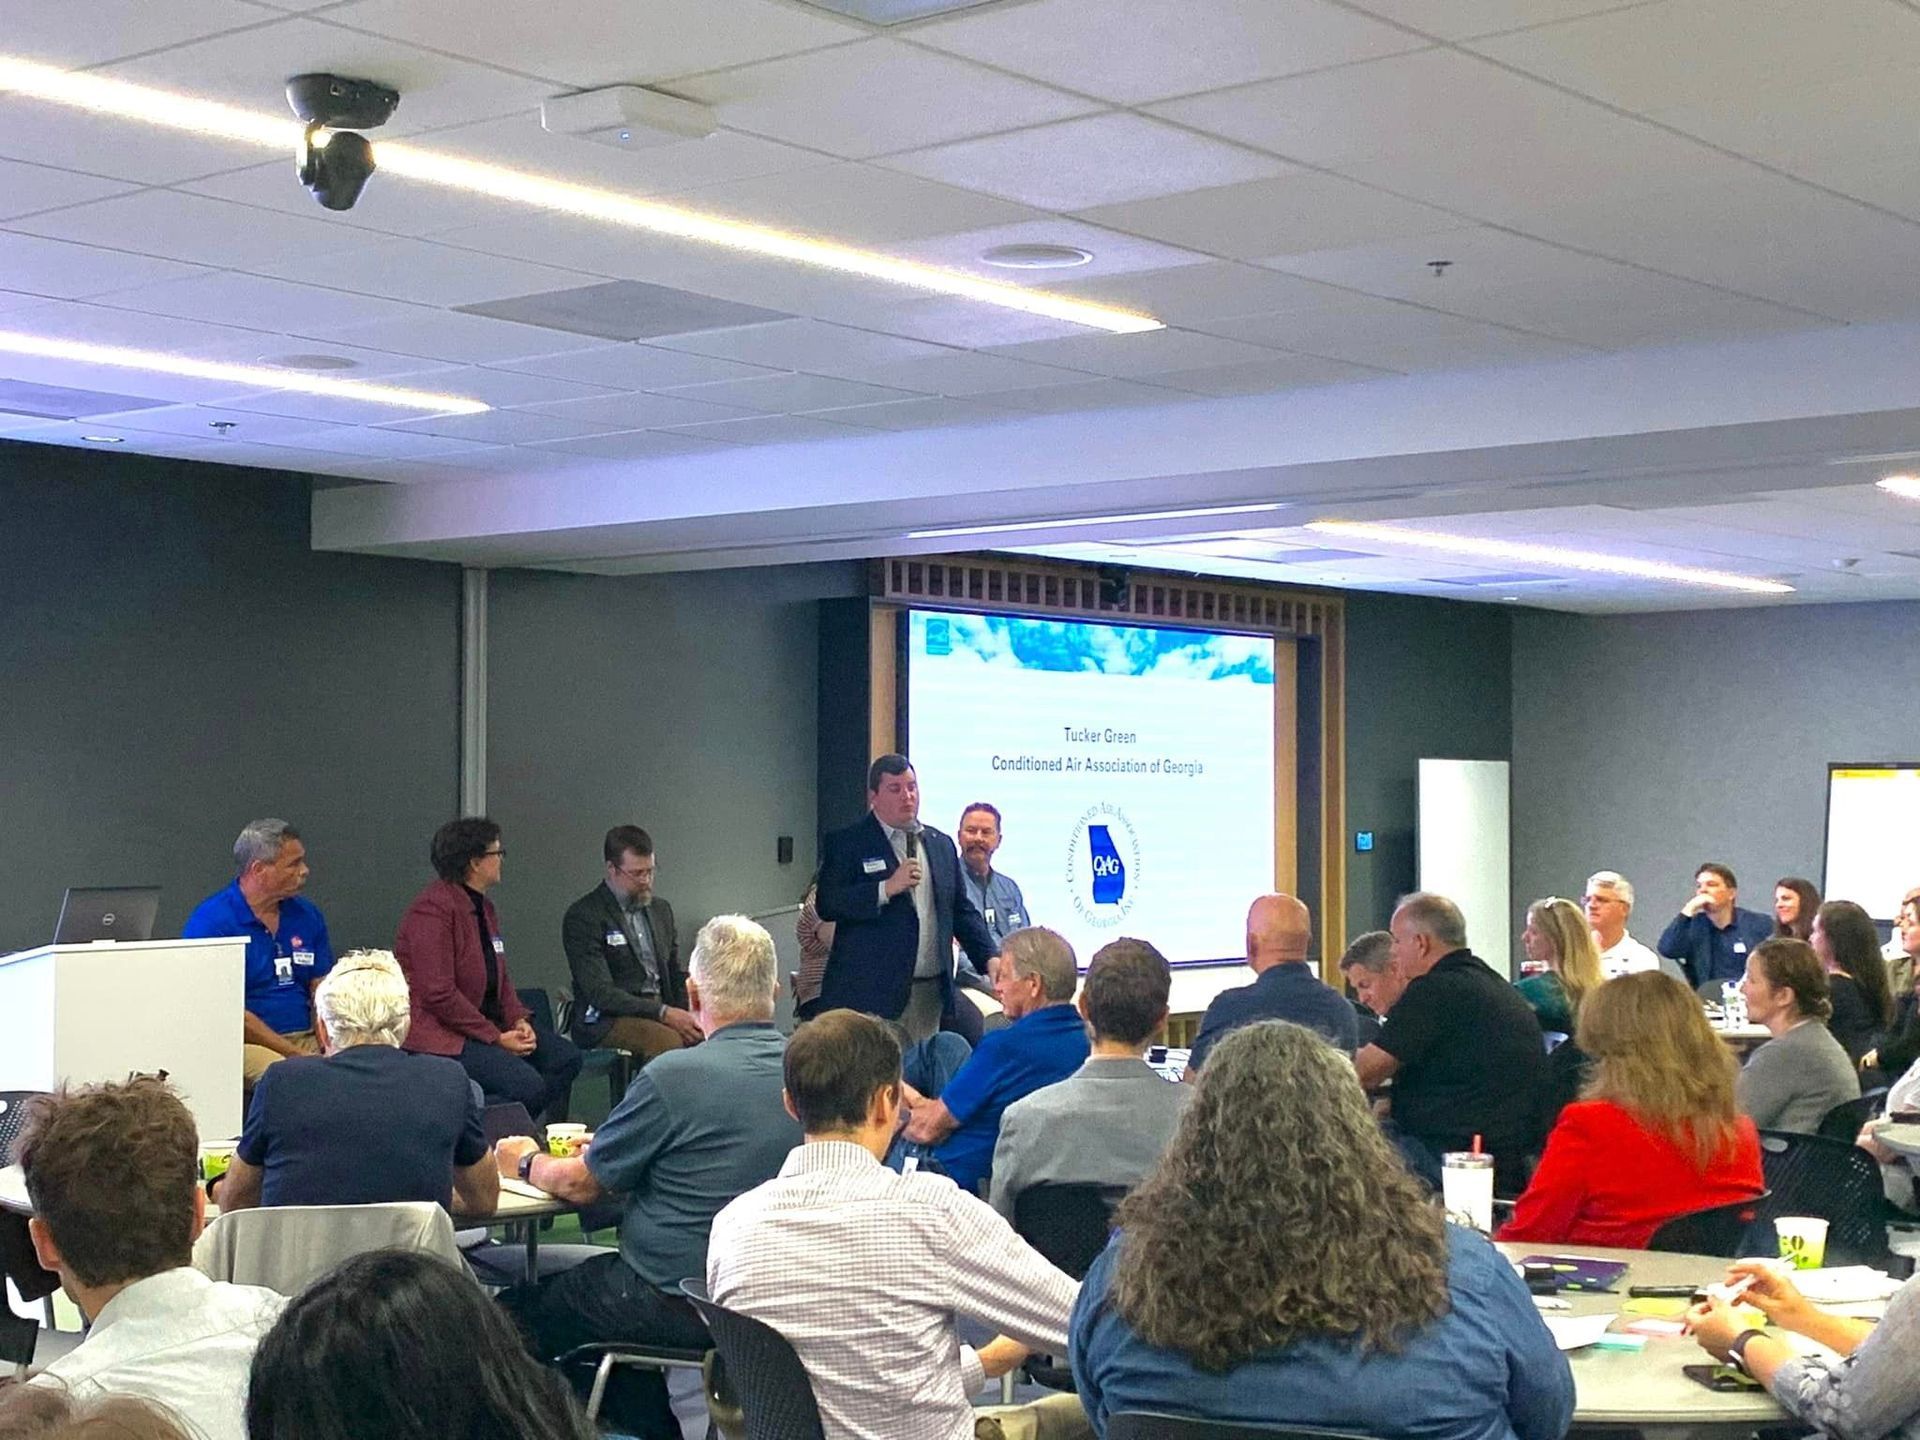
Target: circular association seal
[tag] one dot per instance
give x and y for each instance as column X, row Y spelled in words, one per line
column 1103, row 865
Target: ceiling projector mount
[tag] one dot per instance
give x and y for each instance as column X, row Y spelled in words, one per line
column 337, row 170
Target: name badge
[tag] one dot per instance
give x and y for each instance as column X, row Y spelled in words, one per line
column 1739, row 947
column 989, row 915
column 615, row 937
column 499, row 945
column 873, row 867
column 283, row 969
column 1013, row 919
column 303, row 957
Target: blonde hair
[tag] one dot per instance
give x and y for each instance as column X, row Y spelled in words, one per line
column 1656, row 1057
column 1575, row 960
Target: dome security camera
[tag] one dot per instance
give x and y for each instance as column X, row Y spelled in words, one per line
column 336, row 169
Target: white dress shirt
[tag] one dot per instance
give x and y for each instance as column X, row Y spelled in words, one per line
column 1627, row 956
column 863, row 1270
column 180, row 1340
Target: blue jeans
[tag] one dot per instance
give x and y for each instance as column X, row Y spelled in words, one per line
column 927, row 1067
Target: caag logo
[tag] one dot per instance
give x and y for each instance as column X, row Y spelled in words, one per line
column 1103, row 866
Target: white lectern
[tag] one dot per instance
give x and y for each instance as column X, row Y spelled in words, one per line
column 83, row 1013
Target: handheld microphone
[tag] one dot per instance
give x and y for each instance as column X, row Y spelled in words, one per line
column 913, row 843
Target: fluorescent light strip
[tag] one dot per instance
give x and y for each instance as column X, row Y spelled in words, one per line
column 263, row 377
column 104, row 96
column 1905, row 486
column 1549, row 555
column 1016, row 525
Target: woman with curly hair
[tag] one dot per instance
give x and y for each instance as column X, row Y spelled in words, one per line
column 1656, row 1133
column 1281, row 1267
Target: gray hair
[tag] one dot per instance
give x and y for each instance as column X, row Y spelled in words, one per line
column 733, row 964
column 1372, row 952
column 1039, row 951
column 1436, row 915
column 261, row 841
column 363, row 1000
column 1612, row 880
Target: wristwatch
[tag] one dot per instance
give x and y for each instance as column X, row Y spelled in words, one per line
column 526, row 1174
column 1737, row 1350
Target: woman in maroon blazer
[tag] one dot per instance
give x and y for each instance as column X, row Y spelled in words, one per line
column 464, row 1004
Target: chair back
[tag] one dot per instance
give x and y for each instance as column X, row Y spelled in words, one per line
column 12, row 1116
column 1843, row 1122
column 1721, row 1230
column 1833, row 1179
column 1069, row 1224
column 1152, row 1425
column 497, row 1122
column 763, row 1373
column 288, row 1247
column 539, row 1005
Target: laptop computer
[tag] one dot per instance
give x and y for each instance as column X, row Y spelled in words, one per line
column 107, row 912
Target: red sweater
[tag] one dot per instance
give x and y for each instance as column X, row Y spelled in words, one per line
column 1607, row 1180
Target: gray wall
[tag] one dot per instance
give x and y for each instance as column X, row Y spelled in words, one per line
column 174, row 662
column 1649, row 743
column 1426, row 679
column 682, row 703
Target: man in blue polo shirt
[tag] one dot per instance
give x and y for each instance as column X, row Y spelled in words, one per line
column 288, row 949
column 1279, row 934
column 1712, row 936
column 1045, row 1042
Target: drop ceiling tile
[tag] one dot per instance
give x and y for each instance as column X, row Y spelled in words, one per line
column 962, row 374
column 809, row 345
column 334, row 408
column 1464, row 19
column 190, row 228
column 109, row 29
column 962, row 324
column 390, row 205
column 1135, row 356
column 36, row 266
column 1194, row 294
column 199, row 422
column 1287, row 215
column 1262, row 377
column 1114, row 252
column 46, row 134
column 640, row 412
column 257, row 303
column 1095, row 160
column 632, row 445
column 638, row 367
column 25, row 189
column 786, row 394
column 419, row 271
column 156, row 385
column 503, row 387
column 506, row 427
column 1097, row 395
column 1149, row 49
column 1461, row 350
column 854, row 204
column 449, row 335
column 1351, row 319
column 933, row 413
column 603, row 42
column 874, row 96
column 774, row 430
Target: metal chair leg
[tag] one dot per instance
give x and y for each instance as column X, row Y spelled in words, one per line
column 599, row 1391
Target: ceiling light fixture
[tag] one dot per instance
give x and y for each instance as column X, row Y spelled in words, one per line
column 104, row 439
column 1551, row 555
column 103, row 96
column 950, row 531
column 1036, row 257
column 1907, row 487
column 258, row 377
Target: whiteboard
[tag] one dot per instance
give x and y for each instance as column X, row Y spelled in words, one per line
column 1871, row 811
column 1464, row 849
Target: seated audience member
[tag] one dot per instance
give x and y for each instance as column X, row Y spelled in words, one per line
column 402, row 1346
column 1656, row 1134
column 42, row 1412
column 1712, row 936
column 1279, row 934
column 1895, row 1055
column 311, row 1121
column 1868, row 1390
column 287, row 944
column 629, row 985
column 1794, row 1079
column 1794, row 903
column 1271, row 1272
column 1106, row 1123
column 464, row 1003
column 1608, row 903
column 1367, row 965
column 865, row 1271
column 1556, row 935
column 1044, row 1042
column 113, row 1172
column 697, row 1127
column 1844, row 938
column 1463, row 1049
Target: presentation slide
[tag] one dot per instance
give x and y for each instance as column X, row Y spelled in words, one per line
column 1870, row 812
column 1132, row 767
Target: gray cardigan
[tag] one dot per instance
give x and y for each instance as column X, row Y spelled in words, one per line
column 1105, row 1125
column 1792, row 1081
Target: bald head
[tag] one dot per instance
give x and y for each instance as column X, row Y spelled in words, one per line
column 1278, row 930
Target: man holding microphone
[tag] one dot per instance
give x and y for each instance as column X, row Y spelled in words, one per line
column 894, row 890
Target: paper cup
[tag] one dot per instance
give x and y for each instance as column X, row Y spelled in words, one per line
column 1466, row 1189
column 216, row 1159
column 566, row 1140
column 1803, row 1240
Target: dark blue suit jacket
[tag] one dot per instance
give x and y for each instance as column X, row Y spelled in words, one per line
column 870, row 967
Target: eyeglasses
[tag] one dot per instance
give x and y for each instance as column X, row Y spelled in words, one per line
column 638, row 875
column 489, row 854
column 1602, row 900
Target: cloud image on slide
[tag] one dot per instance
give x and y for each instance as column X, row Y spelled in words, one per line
column 1006, row 642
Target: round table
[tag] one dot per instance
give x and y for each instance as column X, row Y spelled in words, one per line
column 1645, row 1388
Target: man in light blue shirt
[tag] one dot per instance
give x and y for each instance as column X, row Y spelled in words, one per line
column 996, row 896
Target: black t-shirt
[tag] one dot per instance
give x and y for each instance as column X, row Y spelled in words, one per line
column 1852, row 1022
column 367, row 1126
column 1472, row 1061
column 489, row 1002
